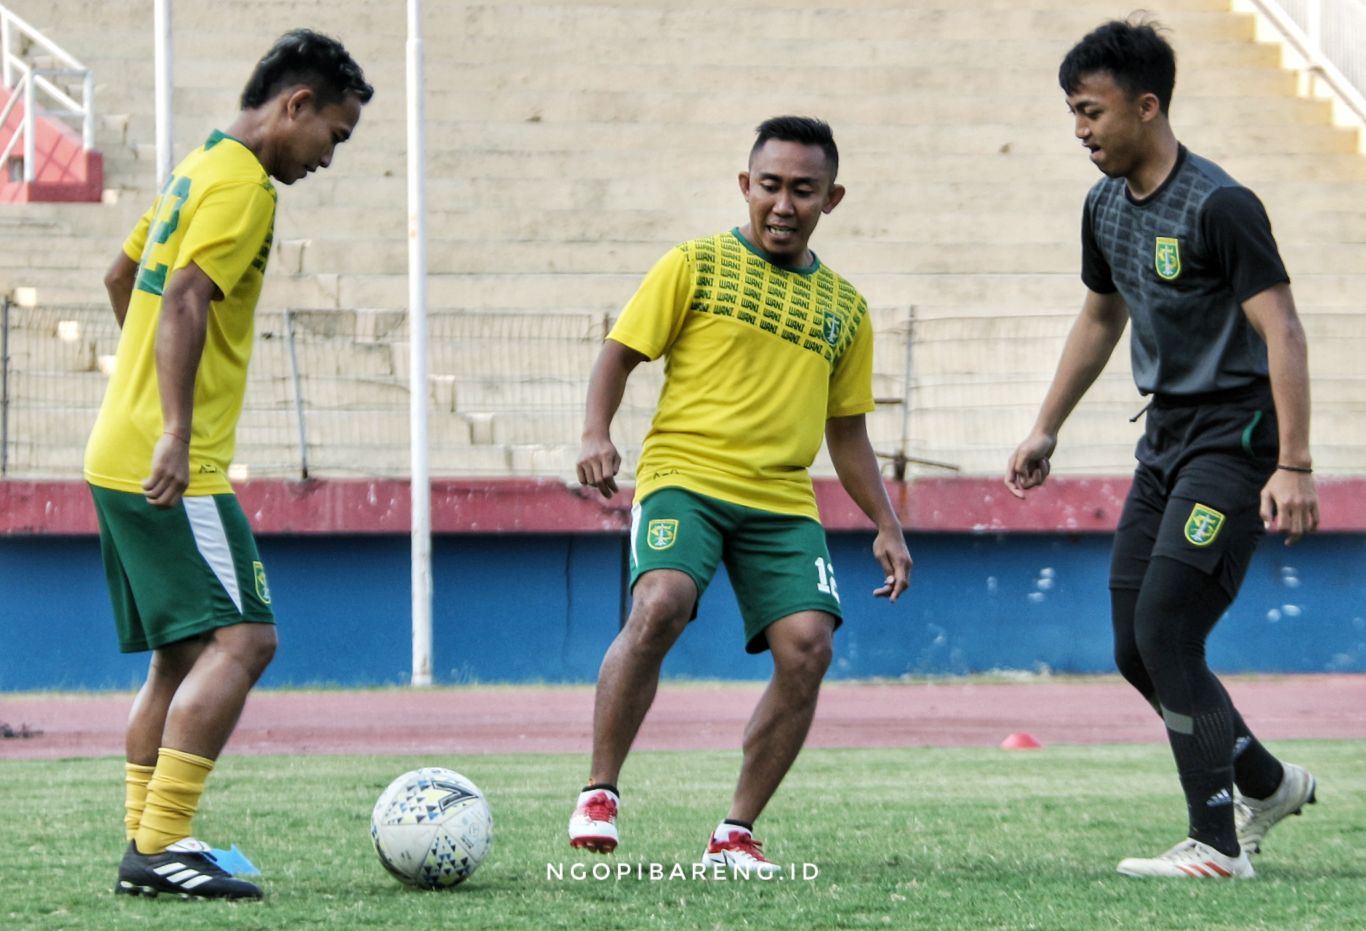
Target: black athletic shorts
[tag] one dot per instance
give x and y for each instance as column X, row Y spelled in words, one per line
column 1196, row 493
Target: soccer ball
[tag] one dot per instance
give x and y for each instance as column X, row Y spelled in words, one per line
column 432, row 828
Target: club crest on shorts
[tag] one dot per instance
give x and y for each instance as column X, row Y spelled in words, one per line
column 1203, row 525
column 1167, row 258
column 262, row 588
column 661, row 534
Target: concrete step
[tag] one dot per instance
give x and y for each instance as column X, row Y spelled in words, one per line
column 863, row 122
column 369, row 29
column 1001, row 190
column 861, row 218
column 969, row 52
column 507, row 360
column 536, row 162
column 200, row 87
column 610, row 291
column 530, row 22
column 956, row 251
column 330, row 392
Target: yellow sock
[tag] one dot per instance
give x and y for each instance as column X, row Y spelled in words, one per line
column 135, row 779
column 172, row 799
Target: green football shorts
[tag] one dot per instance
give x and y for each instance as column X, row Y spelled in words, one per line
column 778, row 564
column 176, row 573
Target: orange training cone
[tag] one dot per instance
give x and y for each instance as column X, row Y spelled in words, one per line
column 1020, row 741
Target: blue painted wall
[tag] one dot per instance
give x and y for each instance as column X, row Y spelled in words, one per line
column 544, row 608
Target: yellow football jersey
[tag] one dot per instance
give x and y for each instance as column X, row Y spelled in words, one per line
column 218, row 211
column 758, row 357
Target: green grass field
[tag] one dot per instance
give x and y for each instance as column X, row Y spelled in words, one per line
column 918, row 838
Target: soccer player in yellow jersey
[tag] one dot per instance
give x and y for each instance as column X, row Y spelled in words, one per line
column 184, row 574
column 767, row 351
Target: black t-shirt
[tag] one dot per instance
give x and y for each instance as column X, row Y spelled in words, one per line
column 1184, row 259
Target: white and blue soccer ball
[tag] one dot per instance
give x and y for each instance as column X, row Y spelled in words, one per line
column 432, row 828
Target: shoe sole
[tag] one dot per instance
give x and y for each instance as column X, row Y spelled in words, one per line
column 151, row 892
column 148, row 892
column 594, row 843
column 1136, row 875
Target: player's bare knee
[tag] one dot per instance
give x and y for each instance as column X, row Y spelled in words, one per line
column 252, row 646
column 263, row 644
column 656, row 621
column 805, row 657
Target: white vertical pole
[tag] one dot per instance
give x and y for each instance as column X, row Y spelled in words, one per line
column 161, row 24
column 88, row 105
column 417, row 366
column 7, row 68
column 30, row 128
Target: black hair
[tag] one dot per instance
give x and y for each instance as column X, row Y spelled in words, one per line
column 803, row 129
column 1135, row 55
column 302, row 56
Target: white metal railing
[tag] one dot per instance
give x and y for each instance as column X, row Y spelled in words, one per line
column 1328, row 35
column 28, row 81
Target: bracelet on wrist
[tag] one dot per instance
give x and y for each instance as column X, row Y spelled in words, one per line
column 1302, row 470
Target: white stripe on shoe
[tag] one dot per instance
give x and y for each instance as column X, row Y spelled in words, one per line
column 181, row 875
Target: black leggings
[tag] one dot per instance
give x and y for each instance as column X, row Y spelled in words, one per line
column 1160, row 633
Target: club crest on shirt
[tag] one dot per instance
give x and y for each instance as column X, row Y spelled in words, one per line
column 1167, row 258
column 831, row 328
column 661, row 534
column 1203, row 525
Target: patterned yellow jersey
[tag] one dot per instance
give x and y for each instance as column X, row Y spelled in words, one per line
column 218, row 211
column 758, row 357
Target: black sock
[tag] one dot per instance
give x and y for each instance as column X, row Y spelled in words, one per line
column 1256, row 772
column 1201, row 746
column 603, row 785
column 1209, row 803
column 747, row 825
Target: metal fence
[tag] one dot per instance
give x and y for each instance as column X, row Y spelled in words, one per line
column 328, row 393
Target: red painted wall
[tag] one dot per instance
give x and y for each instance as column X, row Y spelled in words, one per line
column 381, row 506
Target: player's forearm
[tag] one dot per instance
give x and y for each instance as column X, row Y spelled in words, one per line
column 857, row 467
column 179, row 346
column 1089, row 345
column 118, row 284
column 607, row 387
column 1272, row 314
column 1288, row 363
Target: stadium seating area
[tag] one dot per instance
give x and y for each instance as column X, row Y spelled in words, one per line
column 571, row 142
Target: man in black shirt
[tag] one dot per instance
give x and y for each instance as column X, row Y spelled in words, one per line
column 1174, row 244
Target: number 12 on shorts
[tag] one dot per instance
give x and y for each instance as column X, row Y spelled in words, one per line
column 825, row 578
